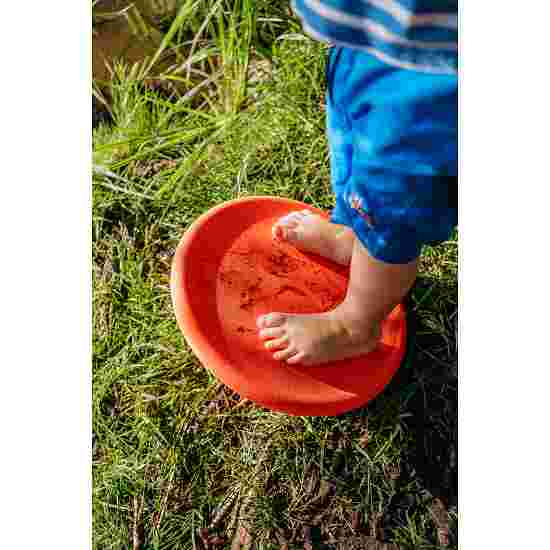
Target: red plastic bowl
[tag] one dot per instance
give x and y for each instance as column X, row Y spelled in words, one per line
column 228, row 270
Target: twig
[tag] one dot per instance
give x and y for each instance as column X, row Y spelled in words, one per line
column 193, row 92
column 244, row 528
column 122, row 190
column 355, row 520
column 241, row 403
column 223, row 509
column 441, row 520
column 308, row 543
column 236, row 542
column 136, row 536
column 165, row 501
column 203, row 534
column 436, row 359
column 283, row 544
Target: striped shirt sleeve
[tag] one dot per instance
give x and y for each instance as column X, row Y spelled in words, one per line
column 419, row 35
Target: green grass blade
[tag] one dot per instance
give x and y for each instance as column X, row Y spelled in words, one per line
column 183, row 13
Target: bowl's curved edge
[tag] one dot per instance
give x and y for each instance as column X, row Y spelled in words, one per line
column 207, row 354
column 186, row 321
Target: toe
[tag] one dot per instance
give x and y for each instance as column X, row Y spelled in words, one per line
column 282, row 229
column 271, row 320
column 277, row 232
column 290, row 220
column 292, row 235
column 267, row 333
column 295, row 359
column 309, row 214
column 278, row 343
column 284, row 354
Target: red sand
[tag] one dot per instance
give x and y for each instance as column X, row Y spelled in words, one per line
column 253, row 281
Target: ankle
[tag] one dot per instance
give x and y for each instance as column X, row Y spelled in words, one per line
column 355, row 322
column 361, row 330
column 341, row 246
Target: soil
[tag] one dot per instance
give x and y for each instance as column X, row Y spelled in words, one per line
column 99, row 113
column 115, row 39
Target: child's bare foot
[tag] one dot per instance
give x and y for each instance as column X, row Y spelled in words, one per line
column 352, row 328
column 318, row 338
column 312, row 233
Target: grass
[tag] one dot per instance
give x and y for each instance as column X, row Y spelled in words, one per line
column 175, row 451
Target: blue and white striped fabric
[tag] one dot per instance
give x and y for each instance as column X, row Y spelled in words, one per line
column 420, row 35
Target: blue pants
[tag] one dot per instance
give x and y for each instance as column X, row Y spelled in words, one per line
column 394, row 153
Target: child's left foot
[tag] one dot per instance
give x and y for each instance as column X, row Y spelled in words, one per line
column 317, row 338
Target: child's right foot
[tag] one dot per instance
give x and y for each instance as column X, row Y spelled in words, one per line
column 312, row 233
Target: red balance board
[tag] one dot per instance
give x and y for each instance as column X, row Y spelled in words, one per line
column 228, row 270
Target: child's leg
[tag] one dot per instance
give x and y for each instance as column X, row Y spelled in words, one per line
column 392, row 153
column 352, row 328
column 312, row 233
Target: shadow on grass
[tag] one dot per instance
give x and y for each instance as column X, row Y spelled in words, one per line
column 427, row 387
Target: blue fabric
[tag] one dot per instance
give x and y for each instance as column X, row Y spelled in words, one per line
column 419, row 35
column 394, row 153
